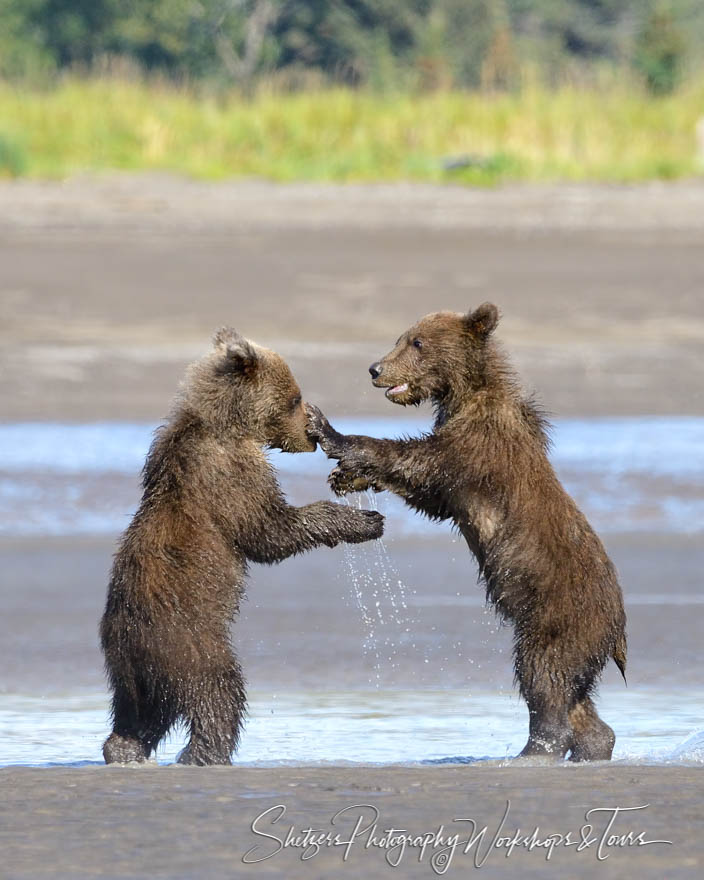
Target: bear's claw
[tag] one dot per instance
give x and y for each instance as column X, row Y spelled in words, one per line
column 343, row 482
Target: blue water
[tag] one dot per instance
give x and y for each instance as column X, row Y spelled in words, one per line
column 663, row 446
column 386, row 727
column 627, row 474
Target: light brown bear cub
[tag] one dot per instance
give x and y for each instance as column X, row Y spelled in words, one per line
column 211, row 505
column 485, row 468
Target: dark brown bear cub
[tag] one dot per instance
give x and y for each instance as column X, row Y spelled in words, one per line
column 485, row 468
column 211, row 504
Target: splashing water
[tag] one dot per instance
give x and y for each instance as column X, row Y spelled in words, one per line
column 360, row 581
column 381, row 598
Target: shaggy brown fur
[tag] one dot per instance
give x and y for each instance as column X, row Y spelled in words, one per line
column 211, row 504
column 485, row 468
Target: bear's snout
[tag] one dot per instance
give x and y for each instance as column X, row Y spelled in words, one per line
column 375, row 370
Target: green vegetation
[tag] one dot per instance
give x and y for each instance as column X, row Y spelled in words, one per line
column 660, row 53
column 344, row 134
column 397, row 44
column 475, row 91
column 13, row 160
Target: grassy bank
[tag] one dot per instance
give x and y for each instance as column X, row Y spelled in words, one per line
column 615, row 135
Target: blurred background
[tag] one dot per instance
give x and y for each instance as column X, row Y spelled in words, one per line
column 319, row 175
column 469, row 90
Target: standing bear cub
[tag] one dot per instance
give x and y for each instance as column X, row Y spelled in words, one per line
column 485, row 468
column 211, row 504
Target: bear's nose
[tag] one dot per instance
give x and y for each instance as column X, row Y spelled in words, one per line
column 375, row 370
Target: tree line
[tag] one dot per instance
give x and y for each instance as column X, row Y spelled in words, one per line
column 384, row 44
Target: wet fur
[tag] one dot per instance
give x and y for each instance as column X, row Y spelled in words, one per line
column 485, row 468
column 211, row 505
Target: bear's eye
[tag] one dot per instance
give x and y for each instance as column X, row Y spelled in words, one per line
column 417, row 343
column 296, row 402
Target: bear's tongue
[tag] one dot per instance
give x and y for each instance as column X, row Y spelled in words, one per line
column 398, row 389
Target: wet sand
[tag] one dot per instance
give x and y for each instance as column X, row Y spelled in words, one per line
column 108, row 288
column 188, row 822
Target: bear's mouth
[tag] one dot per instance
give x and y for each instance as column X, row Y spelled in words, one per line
column 396, row 390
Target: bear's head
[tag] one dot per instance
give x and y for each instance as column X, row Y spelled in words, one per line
column 444, row 353
column 248, row 388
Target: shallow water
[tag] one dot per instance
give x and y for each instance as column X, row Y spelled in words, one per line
column 634, row 478
column 398, row 726
column 627, row 474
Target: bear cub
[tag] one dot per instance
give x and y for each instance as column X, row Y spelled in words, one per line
column 211, row 504
column 484, row 467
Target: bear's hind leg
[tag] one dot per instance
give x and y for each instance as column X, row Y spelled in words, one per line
column 546, row 693
column 215, row 719
column 592, row 738
column 548, row 731
column 157, row 728
column 137, row 729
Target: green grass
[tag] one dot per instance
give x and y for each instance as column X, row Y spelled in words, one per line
column 617, row 134
column 13, row 159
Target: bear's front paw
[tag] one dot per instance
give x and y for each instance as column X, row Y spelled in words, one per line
column 367, row 525
column 342, row 482
column 322, row 432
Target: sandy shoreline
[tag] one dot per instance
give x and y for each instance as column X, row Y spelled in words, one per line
column 188, row 822
column 110, row 286
column 129, row 203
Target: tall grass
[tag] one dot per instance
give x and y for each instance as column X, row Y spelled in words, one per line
column 538, row 134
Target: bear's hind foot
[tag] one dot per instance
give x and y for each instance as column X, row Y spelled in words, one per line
column 540, row 753
column 592, row 738
column 597, row 745
column 123, row 750
column 199, row 756
column 548, row 742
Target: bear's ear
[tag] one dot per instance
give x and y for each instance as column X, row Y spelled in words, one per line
column 241, row 355
column 224, row 335
column 483, row 320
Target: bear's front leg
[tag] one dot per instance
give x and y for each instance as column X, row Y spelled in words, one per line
column 406, row 467
column 355, row 453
